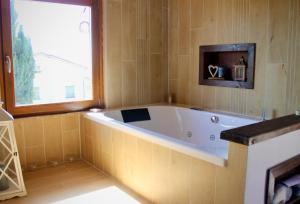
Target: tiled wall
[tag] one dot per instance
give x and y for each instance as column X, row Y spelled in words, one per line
column 273, row 24
column 46, row 139
column 135, row 46
column 163, row 175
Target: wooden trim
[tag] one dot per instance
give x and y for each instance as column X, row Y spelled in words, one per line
column 73, row 2
column 250, row 48
column 7, row 51
column 261, row 131
column 45, row 109
column 281, row 171
column 97, row 49
column 100, row 52
column 2, row 88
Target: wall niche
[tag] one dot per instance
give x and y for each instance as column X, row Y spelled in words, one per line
column 230, row 65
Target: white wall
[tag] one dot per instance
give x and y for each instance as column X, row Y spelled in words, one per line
column 264, row 155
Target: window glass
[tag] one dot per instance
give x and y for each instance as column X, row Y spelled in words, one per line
column 36, row 93
column 70, row 91
column 52, row 52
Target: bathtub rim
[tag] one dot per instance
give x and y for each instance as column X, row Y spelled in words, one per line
column 175, row 105
column 161, row 139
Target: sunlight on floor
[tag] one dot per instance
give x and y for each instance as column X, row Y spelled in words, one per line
column 109, row 195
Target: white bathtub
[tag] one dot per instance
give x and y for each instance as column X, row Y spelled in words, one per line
column 182, row 129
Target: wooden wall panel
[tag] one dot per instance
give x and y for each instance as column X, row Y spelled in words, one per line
column 143, row 49
column 155, row 26
column 129, row 29
column 182, row 84
column 173, row 35
column 184, row 26
column 156, row 78
column 165, row 57
column 293, row 60
column 45, row 140
column 258, row 33
column 135, row 52
column 53, row 138
column 129, row 83
column 112, row 53
column 278, row 28
column 272, row 24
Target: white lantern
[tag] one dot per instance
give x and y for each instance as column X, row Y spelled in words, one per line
column 239, row 72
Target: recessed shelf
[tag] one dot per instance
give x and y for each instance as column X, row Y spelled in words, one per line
column 226, row 56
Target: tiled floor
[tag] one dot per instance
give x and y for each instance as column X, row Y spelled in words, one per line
column 74, row 183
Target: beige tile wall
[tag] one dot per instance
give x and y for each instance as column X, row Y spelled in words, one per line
column 135, row 46
column 161, row 174
column 44, row 139
column 274, row 25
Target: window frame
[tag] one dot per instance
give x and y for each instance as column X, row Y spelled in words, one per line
column 6, row 79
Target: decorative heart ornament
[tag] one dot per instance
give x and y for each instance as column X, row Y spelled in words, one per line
column 213, row 70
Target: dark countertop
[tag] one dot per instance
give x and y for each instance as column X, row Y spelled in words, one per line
column 258, row 132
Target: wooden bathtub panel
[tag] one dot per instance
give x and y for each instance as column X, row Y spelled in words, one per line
column 106, row 149
column 161, row 183
column 117, row 140
column 201, row 182
column 97, row 148
column 163, row 175
column 230, row 181
column 179, row 177
column 84, row 132
column 88, row 154
column 144, row 168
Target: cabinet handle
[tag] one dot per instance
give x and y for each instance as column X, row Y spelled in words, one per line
column 8, row 63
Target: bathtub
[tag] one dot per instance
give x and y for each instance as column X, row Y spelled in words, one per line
column 185, row 130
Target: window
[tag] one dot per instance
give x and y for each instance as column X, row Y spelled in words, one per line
column 49, row 44
column 70, row 92
column 36, row 94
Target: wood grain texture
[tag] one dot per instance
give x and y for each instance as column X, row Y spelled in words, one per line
column 230, row 181
column 43, row 140
column 53, row 138
column 75, row 182
column 163, row 175
column 135, row 46
column 272, row 24
column 7, row 88
column 226, row 56
column 259, row 132
column 113, row 59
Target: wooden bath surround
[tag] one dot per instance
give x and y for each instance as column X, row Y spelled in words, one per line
column 160, row 174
